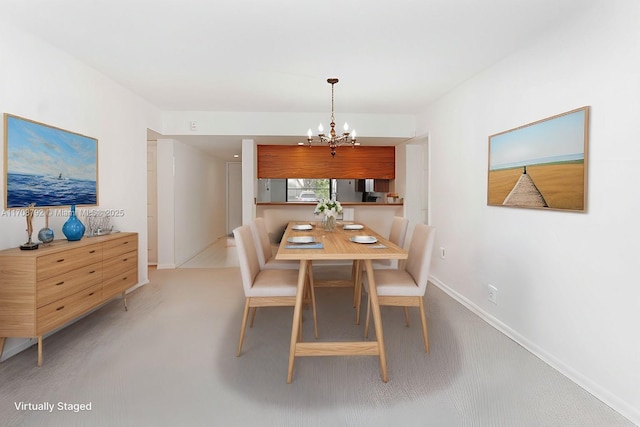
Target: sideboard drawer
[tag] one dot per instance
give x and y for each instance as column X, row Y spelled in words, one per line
column 119, row 264
column 59, row 312
column 56, row 287
column 119, row 246
column 62, row 262
column 120, row 283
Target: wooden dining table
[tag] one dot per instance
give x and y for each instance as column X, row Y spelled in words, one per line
column 336, row 245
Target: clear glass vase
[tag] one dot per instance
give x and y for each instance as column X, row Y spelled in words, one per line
column 328, row 222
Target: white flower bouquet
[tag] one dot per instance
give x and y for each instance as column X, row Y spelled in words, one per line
column 328, row 208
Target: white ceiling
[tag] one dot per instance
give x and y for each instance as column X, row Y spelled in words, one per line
column 392, row 57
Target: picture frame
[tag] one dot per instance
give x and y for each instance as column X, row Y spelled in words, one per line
column 541, row 165
column 48, row 166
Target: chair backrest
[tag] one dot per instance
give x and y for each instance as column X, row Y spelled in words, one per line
column 398, row 231
column 262, row 242
column 247, row 256
column 420, row 250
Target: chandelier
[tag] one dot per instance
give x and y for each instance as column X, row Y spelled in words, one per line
column 333, row 140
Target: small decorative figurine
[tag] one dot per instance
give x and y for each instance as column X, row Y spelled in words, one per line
column 29, row 245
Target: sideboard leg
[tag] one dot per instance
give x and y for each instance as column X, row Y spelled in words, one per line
column 2, row 341
column 124, row 299
column 40, row 351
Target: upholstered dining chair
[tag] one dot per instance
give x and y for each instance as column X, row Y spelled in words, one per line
column 266, row 287
column 406, row 287
column 265, row 253
column 263, row 246
column 397, row 235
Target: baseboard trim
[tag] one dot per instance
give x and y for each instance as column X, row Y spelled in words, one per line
column 599, row 392
column 166, row 266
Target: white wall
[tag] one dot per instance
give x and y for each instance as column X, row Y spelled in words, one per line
column 200, row 201
column 415, row 188
column 44, row 84
column 166, row 204
column 283, row 124
column 233, row 185
column 567, row 283
column 192, row 204
column 249, row 168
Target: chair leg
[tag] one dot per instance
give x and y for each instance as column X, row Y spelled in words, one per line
column 245, row 315
column 354, row 265
column 425, row 335
column 406, row 316
column 358, row 290
column 253, row 316
column 313, row 300
column 366, row 322
column 358, row 303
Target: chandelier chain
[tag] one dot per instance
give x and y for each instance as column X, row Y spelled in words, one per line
column 332, row 140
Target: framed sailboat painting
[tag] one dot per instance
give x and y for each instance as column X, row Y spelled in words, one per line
column 541, row 165
column 48, row 166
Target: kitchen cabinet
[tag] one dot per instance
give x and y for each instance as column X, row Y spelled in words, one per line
column 379, row 185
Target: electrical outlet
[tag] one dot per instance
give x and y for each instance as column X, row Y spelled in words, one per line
column 441, row 252
column 493, row 294
column 193, row 125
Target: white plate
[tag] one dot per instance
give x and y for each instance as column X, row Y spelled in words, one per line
column 301, row 227
column 301, row 239
column 353, row 227
column 363, row 239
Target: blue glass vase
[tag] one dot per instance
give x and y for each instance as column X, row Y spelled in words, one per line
column 73, row 229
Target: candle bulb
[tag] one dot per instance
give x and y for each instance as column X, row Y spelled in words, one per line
column 309, row 133
column 353, row 134
column 320, row 128
column 346, row 127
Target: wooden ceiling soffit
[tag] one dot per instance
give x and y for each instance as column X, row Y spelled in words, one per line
column 297, row 161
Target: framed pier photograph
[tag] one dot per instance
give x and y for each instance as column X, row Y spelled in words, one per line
column 541, row 165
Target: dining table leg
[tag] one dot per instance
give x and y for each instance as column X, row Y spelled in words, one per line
column 297, row 316
column 377, row 319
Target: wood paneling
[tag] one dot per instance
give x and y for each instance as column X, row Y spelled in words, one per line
column 295, row 161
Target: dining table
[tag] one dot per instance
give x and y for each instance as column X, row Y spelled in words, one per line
column 306, row 242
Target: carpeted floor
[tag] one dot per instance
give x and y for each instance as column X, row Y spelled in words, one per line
column 170, row 361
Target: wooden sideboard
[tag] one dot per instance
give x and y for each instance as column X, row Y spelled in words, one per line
column 43, row 289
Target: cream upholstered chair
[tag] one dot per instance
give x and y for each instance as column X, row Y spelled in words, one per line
column 265, row 253
column 406, row 287
column 266, row 288
column 398, row 232
column 263, row 246
column 397, row 235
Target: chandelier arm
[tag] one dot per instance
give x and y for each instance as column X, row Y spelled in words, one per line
column 332, row 140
